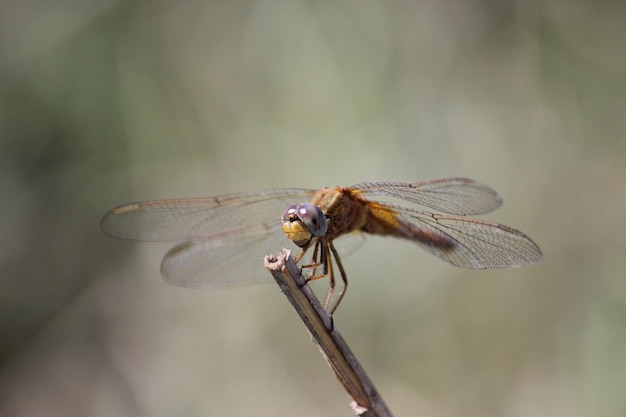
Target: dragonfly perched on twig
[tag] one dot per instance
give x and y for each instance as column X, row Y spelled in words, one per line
column 223, row 239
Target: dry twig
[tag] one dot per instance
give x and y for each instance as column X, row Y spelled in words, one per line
column 366, row 400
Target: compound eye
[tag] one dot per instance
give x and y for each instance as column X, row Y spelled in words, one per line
column 313, row 218
column 290, row 213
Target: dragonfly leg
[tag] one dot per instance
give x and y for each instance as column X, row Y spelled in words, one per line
column 344, row 278
column 328, row 269
column 315, row 262
column 323, row 253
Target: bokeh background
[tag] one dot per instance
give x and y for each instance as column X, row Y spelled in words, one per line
column 104, row 102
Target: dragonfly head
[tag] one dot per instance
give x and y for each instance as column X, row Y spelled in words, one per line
column 303, row 222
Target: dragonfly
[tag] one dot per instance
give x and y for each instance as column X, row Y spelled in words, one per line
column 222, row 240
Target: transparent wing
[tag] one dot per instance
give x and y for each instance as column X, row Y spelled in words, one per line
column 230, row 258
column 234, row 257
column 181, row 219
column 224, row 239
column 468, row 243
column 458, row 196
column 347, row 244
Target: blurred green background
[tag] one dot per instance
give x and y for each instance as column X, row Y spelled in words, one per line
column 104, row 102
